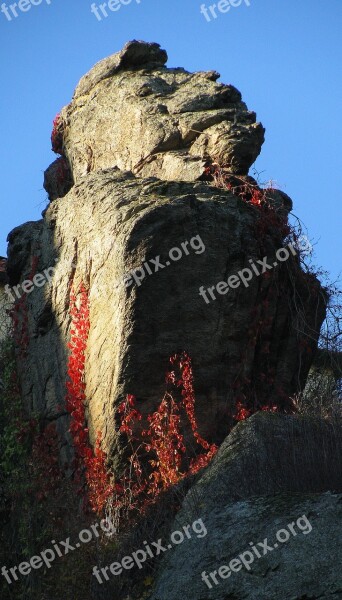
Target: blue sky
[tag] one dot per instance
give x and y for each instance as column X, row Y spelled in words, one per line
column 285, row 57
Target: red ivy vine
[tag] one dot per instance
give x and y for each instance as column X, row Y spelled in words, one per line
column 163, row 442
column 57, row 135
column 63, row 175
column 44, row 461
column 269, row 221
column 90, row 465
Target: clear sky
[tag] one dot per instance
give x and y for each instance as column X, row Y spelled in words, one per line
column 285, row 56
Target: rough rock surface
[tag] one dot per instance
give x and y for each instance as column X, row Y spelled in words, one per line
column 280, row 456
column 132, row 112
column 58, row 178
column 111, row 223
column 131, row 118
column 307, row 566
column 271, row 453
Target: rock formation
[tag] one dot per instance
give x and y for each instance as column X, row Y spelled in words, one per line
column 132, row 112
column 5, row 302
column 136, row 141
column 151, row 212
column 304, row 567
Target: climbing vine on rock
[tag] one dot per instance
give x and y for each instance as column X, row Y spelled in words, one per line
column 29, row 449
column 162, row 440
column 63, row 173
column 89, row 464
column 163, row 443
column 269, row 221
column 64, row 178
column 57, row 135
column 260, row 389
column 44, row 460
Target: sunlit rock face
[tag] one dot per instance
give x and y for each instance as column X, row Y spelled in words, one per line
column 128, row 192
column 132, row 112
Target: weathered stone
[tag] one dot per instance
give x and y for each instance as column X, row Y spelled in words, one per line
column 58, row 179
column 135, row 54
column 112, row 223
column 133, row 122
column 131, row 112
column 5, row 303
column 306, row 566
column 271, row 453
column 280, row 456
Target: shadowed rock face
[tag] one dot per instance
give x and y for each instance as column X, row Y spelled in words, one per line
column 269, row 472
column 132, row 112
column 134, row 150
column 304, row 567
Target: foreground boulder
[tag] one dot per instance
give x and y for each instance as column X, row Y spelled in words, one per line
column 271, row 453
column 307, row 565
column 292, row 460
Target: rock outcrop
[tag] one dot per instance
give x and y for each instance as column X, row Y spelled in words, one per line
column 135, row 142
column 152, row 211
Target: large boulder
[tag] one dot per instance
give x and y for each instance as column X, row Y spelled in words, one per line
column 270, row 453
column 110, row 224
column 297, row 566
column 271, row 471
column 124, row 208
